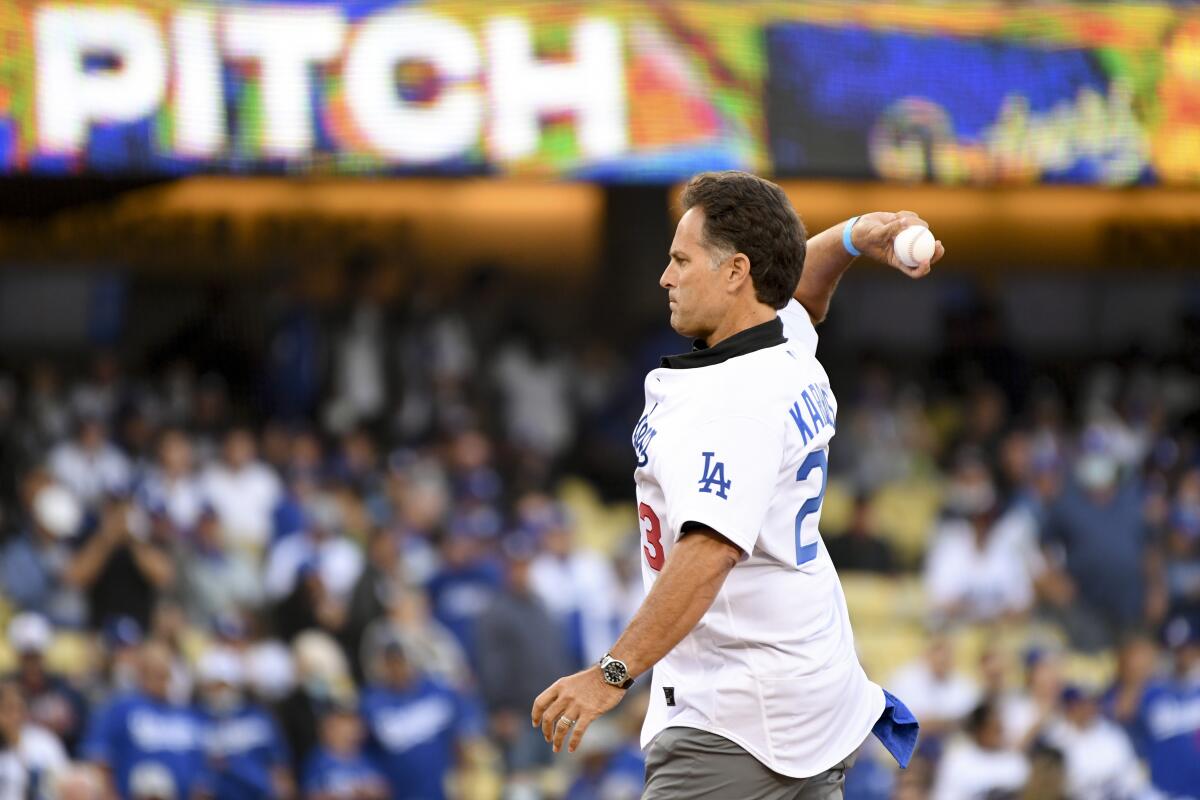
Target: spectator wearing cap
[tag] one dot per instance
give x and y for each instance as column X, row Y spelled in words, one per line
column 310, row 575
column 122, row 639
column 171, row 489
column 979, row 764
column 216, row 581
column 417, row 728
column 148, row 746
column 90, row 465
column 322, row 545
column 1097, row 551
column 121, row 564
column 1099, row 758
column 244, row 748
column 578, row 586
column 522, row 654
column 33, row 563
column 52, row 701
column 469, row 576
column 30, row 756
column 976, row 570
column 243, row 491
column 1168, row 716
column 339, row 768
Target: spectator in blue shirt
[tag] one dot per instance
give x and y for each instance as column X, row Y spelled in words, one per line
column 339, row 769
column 469, row 578
column 1169, row 716
column 417, row 727
column 33, row 563
column 246, row 756
column 53, row 702
column 1098, row 554
column 140, row 738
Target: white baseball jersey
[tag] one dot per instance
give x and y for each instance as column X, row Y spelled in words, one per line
column 736, row 438
column 798, row 328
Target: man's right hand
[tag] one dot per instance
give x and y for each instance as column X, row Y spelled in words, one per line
column 874, row 233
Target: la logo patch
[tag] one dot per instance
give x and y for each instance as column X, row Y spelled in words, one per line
column 714, row 475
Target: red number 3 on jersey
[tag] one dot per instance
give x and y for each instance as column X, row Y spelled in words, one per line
column 653, row 546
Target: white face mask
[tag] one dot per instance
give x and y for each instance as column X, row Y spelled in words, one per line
column 57, row 510
column 1096, row 471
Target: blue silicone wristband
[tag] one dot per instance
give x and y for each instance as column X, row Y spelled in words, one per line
column 846, row 243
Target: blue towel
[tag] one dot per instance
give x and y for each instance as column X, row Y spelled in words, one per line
column 897, row 728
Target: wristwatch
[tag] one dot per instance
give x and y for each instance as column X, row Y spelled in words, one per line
column 615, row 672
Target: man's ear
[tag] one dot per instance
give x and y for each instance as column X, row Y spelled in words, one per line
column 739, row 272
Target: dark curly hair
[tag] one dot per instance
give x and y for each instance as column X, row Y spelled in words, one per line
column 745, row 214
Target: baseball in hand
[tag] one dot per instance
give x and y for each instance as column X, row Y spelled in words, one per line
column 913, row 245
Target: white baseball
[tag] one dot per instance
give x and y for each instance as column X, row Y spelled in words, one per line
column 913, row 245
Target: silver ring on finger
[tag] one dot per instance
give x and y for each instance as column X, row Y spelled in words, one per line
column 568, row 722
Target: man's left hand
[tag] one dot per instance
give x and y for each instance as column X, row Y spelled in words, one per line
column 874, row 233
column 574, row 701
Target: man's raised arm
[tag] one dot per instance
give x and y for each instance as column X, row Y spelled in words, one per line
column 827, row 258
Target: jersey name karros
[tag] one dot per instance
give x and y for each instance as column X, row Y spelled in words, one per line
column 741, row 446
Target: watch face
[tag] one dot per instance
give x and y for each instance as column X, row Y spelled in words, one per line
column 615, row 673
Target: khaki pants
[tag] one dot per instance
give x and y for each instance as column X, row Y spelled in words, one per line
column 690, row 764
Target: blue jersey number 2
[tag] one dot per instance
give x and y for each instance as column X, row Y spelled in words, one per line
column 807, row 552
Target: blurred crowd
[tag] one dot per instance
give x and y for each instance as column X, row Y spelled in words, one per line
column 354, row 586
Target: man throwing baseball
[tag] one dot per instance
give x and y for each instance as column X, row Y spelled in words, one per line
column 757, row 690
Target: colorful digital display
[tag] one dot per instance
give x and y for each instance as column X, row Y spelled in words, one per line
column 602, row 91
column 610, row 91
column 1100, row 95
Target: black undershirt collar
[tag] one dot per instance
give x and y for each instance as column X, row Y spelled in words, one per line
column 768, row 334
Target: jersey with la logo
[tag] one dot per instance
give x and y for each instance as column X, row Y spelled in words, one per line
column 736, row 438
